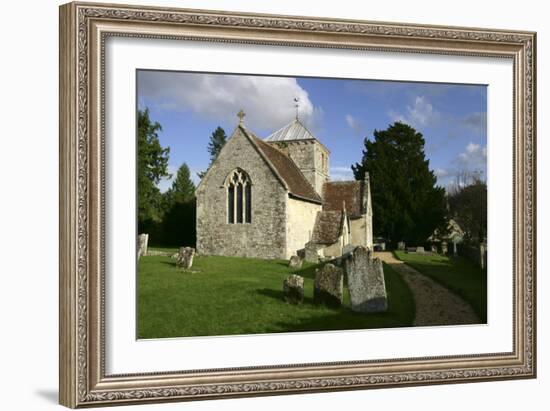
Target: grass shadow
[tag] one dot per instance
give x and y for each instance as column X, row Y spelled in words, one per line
column 279, row 296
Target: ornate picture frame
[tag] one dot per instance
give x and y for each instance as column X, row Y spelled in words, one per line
column 84, row 28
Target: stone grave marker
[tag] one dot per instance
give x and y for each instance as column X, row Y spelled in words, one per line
column 143, row 240
column 367, row 288
column 329, row 285
column 295, row 262
column 185, row 258
column 293, row 289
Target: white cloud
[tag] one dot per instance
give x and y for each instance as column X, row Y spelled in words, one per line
column 355, row 124
column 267, row 101
column 420, row 114
column 339, row 173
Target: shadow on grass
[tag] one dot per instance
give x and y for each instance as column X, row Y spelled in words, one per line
column 170, row 263
column 279, row 296
column 342, row 319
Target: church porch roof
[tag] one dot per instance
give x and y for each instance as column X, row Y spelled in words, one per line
column 328, row 227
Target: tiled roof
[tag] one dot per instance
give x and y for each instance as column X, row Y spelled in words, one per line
column 328, row 227
column 335, row 193
column 294, row 130
column 287, row 170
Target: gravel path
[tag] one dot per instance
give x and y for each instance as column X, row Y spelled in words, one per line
column 435, row 304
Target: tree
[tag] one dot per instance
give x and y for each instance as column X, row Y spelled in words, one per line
column 407, row 204
column 178, row 227
column 468, row 207
column 152, row 166
column 217, row 140
column 183, row 188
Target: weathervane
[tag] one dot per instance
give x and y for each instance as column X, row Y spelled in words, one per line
column 297, row 105
column 241, row 115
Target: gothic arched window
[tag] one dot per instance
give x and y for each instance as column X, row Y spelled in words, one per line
column 239, row 198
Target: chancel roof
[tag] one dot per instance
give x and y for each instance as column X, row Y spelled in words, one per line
column 294, row 130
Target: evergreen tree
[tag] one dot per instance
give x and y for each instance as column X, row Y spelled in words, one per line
column 152, row 166
column 179, row 220
column 407, row 204
column 217, row 140
column 183, row 188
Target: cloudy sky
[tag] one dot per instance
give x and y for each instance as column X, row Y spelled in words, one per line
column 339, row 112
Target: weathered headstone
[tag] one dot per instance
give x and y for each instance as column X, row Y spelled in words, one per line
column 367, row 288
column 293, row 289
column 401, row 245
column 185, row 258
column 434, row 248
column 444, row 249
column 143, row 240
column 329, row 285
column 420, row 250
column 295, row 262
column 310, row 253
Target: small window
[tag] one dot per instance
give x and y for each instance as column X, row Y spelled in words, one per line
column 239, row 198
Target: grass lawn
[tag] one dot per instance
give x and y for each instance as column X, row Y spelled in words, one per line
column 230, row 295
column 456, row 273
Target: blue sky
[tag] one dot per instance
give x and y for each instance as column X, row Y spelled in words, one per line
column 339, row 112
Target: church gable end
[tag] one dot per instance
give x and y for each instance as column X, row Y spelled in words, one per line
column 223, row 226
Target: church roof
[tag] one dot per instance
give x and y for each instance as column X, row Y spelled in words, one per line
column 286, row 170
column 328, row 227
column 294, row 130
column 336, row 193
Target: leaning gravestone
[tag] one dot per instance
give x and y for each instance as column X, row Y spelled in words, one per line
column 401, row 245
column 295, row 262
column 367, row 288
column 310, row 253
column 329, row 285
column 293, row 289
column 143, row 239
column 185, row 258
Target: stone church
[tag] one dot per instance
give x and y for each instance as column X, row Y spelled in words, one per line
column 272, row 198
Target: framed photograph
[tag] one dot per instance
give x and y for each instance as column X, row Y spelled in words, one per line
column 260, row 204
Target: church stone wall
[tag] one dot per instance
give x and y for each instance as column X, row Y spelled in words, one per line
column 265, row 236
column 301, row 217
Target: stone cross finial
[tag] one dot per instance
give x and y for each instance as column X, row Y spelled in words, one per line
column 241, row 115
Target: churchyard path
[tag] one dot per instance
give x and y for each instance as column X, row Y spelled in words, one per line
column 435, row 304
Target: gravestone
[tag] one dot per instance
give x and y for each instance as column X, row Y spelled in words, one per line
column 444, row 249
column 329, row 285
column 185, row 258
column 310, row 253
column 295, row 262
column 420, row 250
column 293, row 289
column 348, row 248
column 434, row 248
column 401, row 245
column 367, row 288
column 143, row 240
